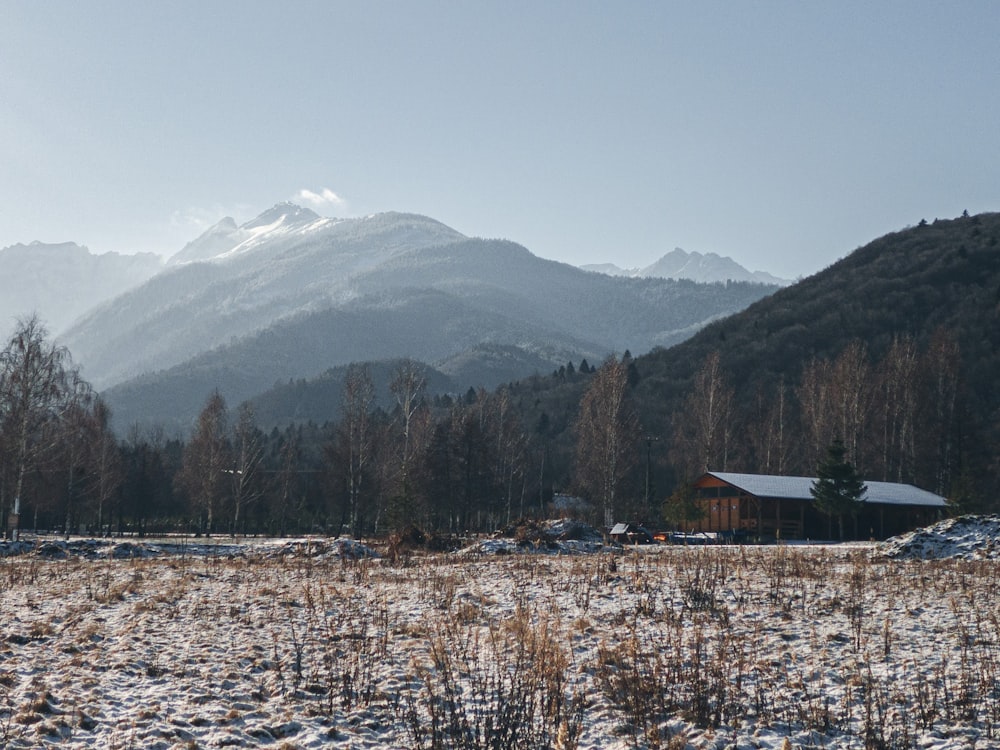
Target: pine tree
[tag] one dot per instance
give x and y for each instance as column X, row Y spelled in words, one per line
column 838, row 490
column 681, row 508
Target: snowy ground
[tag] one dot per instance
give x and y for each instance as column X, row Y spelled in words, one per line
column 965, row 537
column 316, row 644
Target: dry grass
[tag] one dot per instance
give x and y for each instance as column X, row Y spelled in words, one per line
column 667, row 649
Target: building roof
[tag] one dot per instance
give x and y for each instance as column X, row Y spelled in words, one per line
column 798, row 488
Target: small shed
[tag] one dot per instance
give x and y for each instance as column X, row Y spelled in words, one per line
column 625, row 533
column 782, row 507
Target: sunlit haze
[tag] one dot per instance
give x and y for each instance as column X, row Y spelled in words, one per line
column 783, row 134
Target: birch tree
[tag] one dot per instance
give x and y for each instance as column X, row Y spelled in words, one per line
column 776, row 438
column 356, row 434
column 75, row 434
column 607, row 432
column 852, row 391
column 33, row 384
column 287, row 479
column 248, row 453
column 816, row 407
column 898, row 394
column 106, row 461
column 206, row 462
column 942, row 365
column 702, row 433
column 407, row 387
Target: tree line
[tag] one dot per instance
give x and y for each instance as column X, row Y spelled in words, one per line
column 451, row 464
column 473, row 462
column 900, row 418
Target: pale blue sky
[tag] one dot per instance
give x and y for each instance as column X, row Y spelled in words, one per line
column 783, row 134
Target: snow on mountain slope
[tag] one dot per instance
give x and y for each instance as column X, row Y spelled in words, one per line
column 232, row 282
column 705, row 268
column 290, row 294
column 225, row 240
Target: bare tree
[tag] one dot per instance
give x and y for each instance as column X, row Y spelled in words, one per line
column 407, row 386
column 511, row 452
column 941, row 363
column 248, row 453
column 75, row 432
column 206, row 462
column 607, row 432
column 287, row 479
column 356, row 434
column 816, row 408
column 777, row 431
column 106, row 460
column 852, row 392
column 897, row 391
column 32, row 388
column 702, row 433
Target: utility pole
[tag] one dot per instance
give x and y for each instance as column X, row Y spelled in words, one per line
column 649, row 446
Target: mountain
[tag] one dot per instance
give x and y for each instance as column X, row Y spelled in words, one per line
column 679, row 264
column 225, row 239
column 284, row 263
column 427, row 325
column 610, row 269
column 291, row 295
column 913, row 282
column 936, row 282
column 61, row 281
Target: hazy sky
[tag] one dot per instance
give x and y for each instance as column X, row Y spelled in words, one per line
column 783, row 134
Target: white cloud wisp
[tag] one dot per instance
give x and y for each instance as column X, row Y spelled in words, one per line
column 324, row 197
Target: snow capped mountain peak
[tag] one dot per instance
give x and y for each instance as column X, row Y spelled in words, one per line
column 225, row 239
column 218, row 238
column 283, row 213
column 225, row 225
column 701, row 267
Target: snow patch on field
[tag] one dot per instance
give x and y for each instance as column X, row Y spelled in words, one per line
column 58, row 549
column 563, row 536
column 963, row 538
column 316, row 643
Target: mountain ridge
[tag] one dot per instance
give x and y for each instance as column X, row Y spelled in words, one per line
column 61, row 281
column 933, row 285
column 695, row 266
column 378, row 287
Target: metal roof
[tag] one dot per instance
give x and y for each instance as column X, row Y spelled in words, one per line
column 798, row 488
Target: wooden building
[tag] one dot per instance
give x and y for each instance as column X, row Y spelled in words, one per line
column 760, row 505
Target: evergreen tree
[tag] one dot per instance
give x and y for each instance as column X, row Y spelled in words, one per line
column 681, row 508
column 838, row 490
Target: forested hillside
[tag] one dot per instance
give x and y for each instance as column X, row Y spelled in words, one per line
column 895, row 349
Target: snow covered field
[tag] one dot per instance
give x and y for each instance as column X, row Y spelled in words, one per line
column 312, row 644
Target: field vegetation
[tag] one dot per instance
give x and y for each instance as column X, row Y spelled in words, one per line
column 665, row 647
